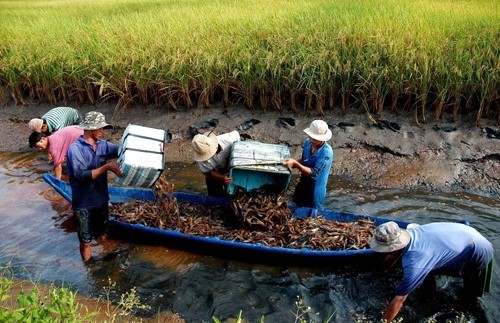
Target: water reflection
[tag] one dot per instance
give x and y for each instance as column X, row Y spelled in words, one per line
column 39, row 239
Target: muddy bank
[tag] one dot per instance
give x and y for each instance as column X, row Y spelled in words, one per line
column 442, row 155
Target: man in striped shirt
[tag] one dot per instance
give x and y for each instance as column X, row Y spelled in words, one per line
column 55, row 119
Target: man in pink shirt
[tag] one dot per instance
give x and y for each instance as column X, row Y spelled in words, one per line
column 57, row 144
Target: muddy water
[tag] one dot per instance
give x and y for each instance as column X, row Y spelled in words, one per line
column 37, row 236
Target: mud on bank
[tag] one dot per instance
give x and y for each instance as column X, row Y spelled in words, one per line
column 442, row 155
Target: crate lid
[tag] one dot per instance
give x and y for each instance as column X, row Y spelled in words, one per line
column 146, row 132
column 254, row 153
column 134, row 142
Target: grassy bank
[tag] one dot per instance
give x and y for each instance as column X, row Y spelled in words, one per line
column 25, row 301
column 427, row 57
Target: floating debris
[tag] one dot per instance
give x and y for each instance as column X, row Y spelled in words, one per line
column 248, row 124
column 445, row 128
column 491, row 133
column 282, row 122
column 194, row 129
column 387, row 124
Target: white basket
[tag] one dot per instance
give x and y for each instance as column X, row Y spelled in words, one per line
column 141, row 155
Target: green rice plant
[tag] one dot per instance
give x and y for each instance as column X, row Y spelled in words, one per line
column 311, row 56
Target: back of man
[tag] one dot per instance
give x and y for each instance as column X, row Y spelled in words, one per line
column 220, row 161
column 61, row 117
column 212, row 154
column 60, row 141
column 453, row 248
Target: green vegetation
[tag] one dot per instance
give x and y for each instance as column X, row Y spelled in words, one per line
column 418, row 56
column 34, row 305
column 22, row 301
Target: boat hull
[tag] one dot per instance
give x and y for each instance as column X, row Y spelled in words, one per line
column 214, row 245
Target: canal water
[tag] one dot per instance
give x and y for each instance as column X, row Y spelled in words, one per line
column 39, row 242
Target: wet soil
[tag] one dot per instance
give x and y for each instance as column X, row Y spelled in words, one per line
column 399, row 153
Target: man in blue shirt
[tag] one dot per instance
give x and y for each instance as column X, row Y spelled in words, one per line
column 314, row 166
column 87, row 165
column 434, row 248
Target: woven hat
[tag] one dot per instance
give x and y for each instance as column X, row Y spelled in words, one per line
column 94, row 120
column 318, row 129
column 389, row 237
column 204, row 146
column 36, row 124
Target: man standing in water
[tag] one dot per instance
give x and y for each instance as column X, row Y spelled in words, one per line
column 435, row 248
column 314, row 166
column 87, row 171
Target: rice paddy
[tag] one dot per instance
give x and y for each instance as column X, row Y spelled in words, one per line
column 429, row 58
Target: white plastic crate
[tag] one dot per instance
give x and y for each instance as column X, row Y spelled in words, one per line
column 134, row 142
column 141, row 155
column 145, row 132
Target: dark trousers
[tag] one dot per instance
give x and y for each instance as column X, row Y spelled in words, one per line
column 216, row 188
column 90, row 223
column 304, row 192
column 476, row 283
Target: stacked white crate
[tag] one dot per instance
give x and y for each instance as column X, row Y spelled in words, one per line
column 141, row 155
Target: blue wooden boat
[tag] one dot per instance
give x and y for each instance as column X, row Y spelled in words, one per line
column 214, row 245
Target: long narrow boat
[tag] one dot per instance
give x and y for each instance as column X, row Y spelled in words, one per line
column 215, row 245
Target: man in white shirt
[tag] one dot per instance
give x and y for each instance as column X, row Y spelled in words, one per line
column 212, row 154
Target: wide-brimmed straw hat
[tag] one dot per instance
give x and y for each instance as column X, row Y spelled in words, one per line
column 35, row 125
column 318, row 129
column 204, row 146
column 389, row 237
column 94, row 120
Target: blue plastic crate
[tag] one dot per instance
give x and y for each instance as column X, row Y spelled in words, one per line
column 255, row 165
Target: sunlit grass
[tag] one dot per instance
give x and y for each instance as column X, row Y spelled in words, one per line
column 421, row 56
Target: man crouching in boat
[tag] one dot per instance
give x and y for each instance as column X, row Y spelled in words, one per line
column 87, row 171
column 434, row 248
column 212, row 153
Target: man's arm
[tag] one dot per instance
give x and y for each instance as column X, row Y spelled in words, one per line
column 58, row 171
column 394, row 307
column 112, row 167
column 220, row 177
column 293, row 163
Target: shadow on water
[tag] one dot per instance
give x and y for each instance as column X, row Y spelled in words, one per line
column 39, row 240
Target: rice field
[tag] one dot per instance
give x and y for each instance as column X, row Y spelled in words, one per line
column 429, row 58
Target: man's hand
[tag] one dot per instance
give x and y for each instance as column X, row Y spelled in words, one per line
column 394, row 307
column 289, row 163
column 228, row 180
column 114, row 167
